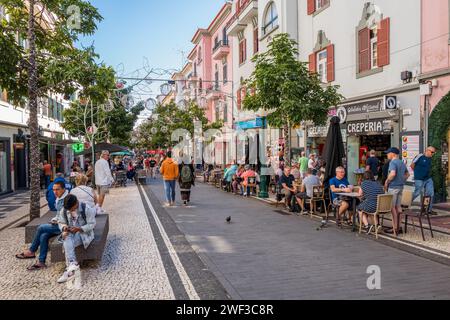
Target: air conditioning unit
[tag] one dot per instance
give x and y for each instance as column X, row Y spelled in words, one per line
column 406, row 76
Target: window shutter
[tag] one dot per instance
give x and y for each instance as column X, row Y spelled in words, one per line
column 239, row 99
column 255, row 41
column 364, row 49
column 312, row 63
column 383, row 43
column 245, row 50
column 311, row 6
column 330, row 63
column 240, row 52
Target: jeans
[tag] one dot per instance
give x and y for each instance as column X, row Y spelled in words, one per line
column 426, row 185
column 169, row 188
column 72, row 241
column 43, row 234
column 47, row 181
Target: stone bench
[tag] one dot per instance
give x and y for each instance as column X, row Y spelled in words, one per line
column 93, row 252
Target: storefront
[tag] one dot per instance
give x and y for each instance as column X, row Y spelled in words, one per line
column 247, row 143
column 5, row 165
column 317, row 137
column 368, row 127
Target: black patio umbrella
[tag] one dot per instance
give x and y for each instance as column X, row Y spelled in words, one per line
column 334, row 149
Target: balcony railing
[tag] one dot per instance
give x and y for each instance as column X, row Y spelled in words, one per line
column 220, row 44
column 240, row 8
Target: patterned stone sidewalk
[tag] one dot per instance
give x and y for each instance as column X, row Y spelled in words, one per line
column 131, row 267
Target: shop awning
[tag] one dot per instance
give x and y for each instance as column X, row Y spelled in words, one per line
column 99, row 147
column 57, row 142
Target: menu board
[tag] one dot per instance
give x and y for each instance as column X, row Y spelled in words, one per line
column 411, row 147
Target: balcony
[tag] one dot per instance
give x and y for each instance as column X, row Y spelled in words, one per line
column 213, row 93
column 221, row 50
column 242, row 17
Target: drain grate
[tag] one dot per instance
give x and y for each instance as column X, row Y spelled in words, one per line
column 284, row 213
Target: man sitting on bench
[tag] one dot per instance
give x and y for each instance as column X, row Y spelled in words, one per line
column 76, row 222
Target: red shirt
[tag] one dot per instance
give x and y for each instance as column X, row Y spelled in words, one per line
column 48, row 169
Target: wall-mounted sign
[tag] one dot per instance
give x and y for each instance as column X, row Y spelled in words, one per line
column 363, row 107
column 366, row 127
column 390, row 102
column 252, row 124
column 78, row 147
column 411, row 147
column 317, row 132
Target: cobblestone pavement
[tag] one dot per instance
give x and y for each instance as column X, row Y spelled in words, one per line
column 265, row 254
column 131, row 267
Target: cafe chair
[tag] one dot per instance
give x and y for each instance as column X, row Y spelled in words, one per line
column 419, row 214
column 384, row 205
column 318, row 196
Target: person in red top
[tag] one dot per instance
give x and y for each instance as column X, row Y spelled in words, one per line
column 147, row 166
column 248, row 173
column 47, row 167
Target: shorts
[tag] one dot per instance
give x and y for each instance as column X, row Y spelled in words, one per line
column 102, row 190
column 302, row 195
column 398, row 194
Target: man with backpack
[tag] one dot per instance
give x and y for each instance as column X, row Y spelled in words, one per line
column 170, row 172
column 76, row 222
column 186, row 181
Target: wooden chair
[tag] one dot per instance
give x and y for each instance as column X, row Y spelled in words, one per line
column 318, row 196
column 384, row 205
column 419, row 214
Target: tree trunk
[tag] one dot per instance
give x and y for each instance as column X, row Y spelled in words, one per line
column 35, row 199
column 287, row 144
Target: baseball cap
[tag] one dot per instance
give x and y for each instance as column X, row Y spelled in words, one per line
column 393, row 150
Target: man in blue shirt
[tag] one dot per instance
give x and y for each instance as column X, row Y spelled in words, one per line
column 422, row 174
column 398, row 174
column 372, row 164
column 340, row 184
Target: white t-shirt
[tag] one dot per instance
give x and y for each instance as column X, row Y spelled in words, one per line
column 103, row 175
column 311, row 164
column 85, row 195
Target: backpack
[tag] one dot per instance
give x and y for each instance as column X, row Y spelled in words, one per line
column 186, row 175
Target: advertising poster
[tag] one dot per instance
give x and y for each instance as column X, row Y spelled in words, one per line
column 410, row 149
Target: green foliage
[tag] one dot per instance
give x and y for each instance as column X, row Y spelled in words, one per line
column 61, row 67
column 285, row 87
column 439, row 124
column 156, row 132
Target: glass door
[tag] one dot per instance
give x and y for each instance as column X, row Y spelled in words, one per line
column 5, row 173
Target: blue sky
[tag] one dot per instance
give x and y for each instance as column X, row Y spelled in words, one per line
column 155, row 29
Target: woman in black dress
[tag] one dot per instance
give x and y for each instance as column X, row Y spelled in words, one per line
column 370, row 189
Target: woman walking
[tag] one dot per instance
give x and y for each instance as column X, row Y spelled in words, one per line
column 186, row 181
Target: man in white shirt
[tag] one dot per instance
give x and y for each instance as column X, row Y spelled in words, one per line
column 103, row 177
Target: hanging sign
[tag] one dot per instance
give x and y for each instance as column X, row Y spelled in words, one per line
column 78, row 147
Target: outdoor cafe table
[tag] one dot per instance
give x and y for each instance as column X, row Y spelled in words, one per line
column 354, row 196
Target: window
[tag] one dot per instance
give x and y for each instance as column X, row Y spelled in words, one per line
column 317, row 5
column 322, row 65
column 216, row 78
column 195, row 69
column 255, row 40
column 199, row 57
column 217, row 109
column 225, row 73
column 225, row 112
column 242, row 51
column 373, row 49
column 216, row 42
column 270, row 19
column 374, row 46
column 225, row 37
column 200, row 86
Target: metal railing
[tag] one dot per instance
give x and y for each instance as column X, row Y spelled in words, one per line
column 221, row 43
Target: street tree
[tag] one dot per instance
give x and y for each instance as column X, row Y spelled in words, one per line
column 284, row 86
column 47, row 62
column 156, row 132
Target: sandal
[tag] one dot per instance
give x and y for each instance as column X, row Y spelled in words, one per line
column 36, row 267
column 22, row 256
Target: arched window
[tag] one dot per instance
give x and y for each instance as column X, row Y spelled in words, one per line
column 270, row 18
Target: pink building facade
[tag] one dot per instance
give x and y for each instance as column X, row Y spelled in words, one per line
column 435, row 88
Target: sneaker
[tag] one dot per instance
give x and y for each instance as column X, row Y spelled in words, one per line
column 184, row 202
column 166, row 204
column 245, row 194
column 69, row 273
